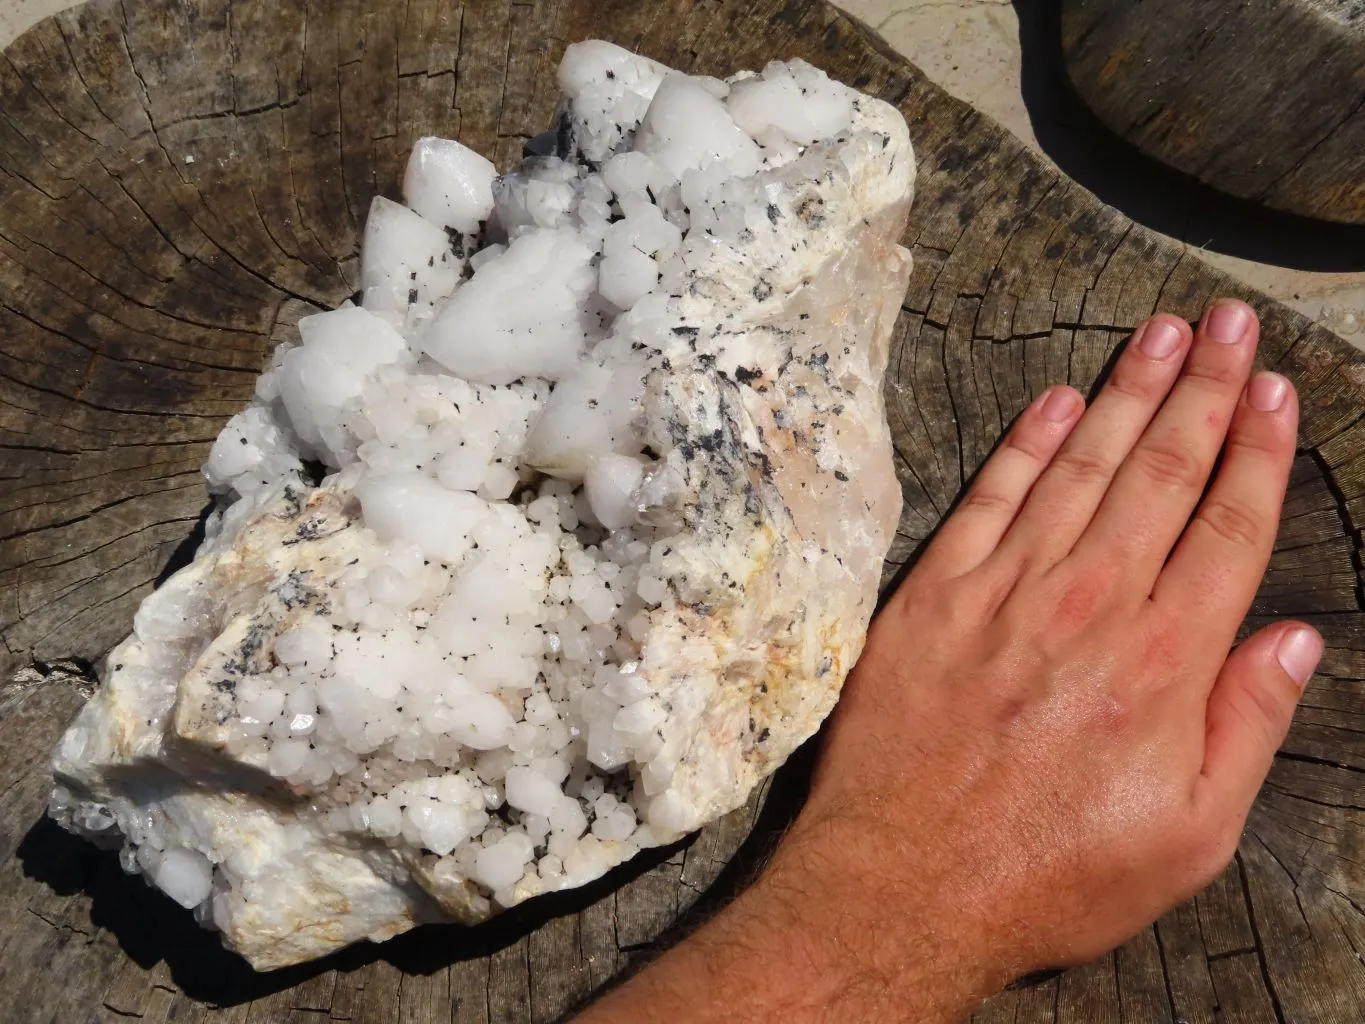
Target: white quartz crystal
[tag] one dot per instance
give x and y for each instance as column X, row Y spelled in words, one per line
column 606, row 488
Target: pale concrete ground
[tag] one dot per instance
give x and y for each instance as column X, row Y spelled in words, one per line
column 18, row 15
column 973, row 49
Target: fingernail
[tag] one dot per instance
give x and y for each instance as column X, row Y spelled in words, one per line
column 1299, row 653
column 1227, row 322
column 1267, row 392
column 1160, row 339
column 1059, row 406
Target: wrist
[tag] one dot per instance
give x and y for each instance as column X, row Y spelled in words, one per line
column 827, row 932
column 880, row 924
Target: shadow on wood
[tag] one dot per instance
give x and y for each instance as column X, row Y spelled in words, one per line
column 1151, row 192
column 150, row 928
column 183, row 554
column 1263, row 99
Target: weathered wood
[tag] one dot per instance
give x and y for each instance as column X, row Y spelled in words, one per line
column 1264, row 99
column 180, row 180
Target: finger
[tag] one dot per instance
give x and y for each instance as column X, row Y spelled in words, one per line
column 1150, row 501
column 1249, row 712
column 1000, row 489
column 1065, row 498
column 1218, row 564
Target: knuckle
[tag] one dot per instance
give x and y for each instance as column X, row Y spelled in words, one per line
column 1134, row 381
column 1077, row 600
column 987, row 502
column 1082, row 466
column 1213, row 375
column 939, row 608
column 1209, row 846
column 1109, row 714
column 1264, row 711
column 1027, row 446
column 960, row 607
column 913, row 600
column 1258, row 444
column 1234, row 520
column 1170, row 464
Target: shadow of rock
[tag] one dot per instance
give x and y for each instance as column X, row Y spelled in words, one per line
column 183, row 554
column 149, row 927
column 1148, row 191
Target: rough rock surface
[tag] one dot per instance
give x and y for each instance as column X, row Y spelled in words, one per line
column 709, row 427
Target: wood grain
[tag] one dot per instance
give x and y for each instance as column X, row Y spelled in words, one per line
column 180, row 180
column 1264, row 99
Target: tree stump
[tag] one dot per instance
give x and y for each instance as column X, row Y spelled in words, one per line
column 1264, row 99
column 182, row 179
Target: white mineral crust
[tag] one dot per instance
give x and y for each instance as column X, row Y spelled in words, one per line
column 606, row 488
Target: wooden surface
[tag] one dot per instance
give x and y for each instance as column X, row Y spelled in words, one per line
column 179, row 180
column 1264, row 99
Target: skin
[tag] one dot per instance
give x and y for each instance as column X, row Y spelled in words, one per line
column 1046, row 744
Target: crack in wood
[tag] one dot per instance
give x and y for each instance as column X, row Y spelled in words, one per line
column 1266, row 979
column 1353, row 532
column 1313, row 800
column 1311, row 151
column 132, row 1015
column 1309, row 759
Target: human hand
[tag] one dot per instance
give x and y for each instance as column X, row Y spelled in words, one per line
column 1046, row 743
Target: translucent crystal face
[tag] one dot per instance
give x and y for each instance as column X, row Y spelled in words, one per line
column 605, row 488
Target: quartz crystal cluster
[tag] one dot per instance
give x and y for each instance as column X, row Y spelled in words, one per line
column 546, row 549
